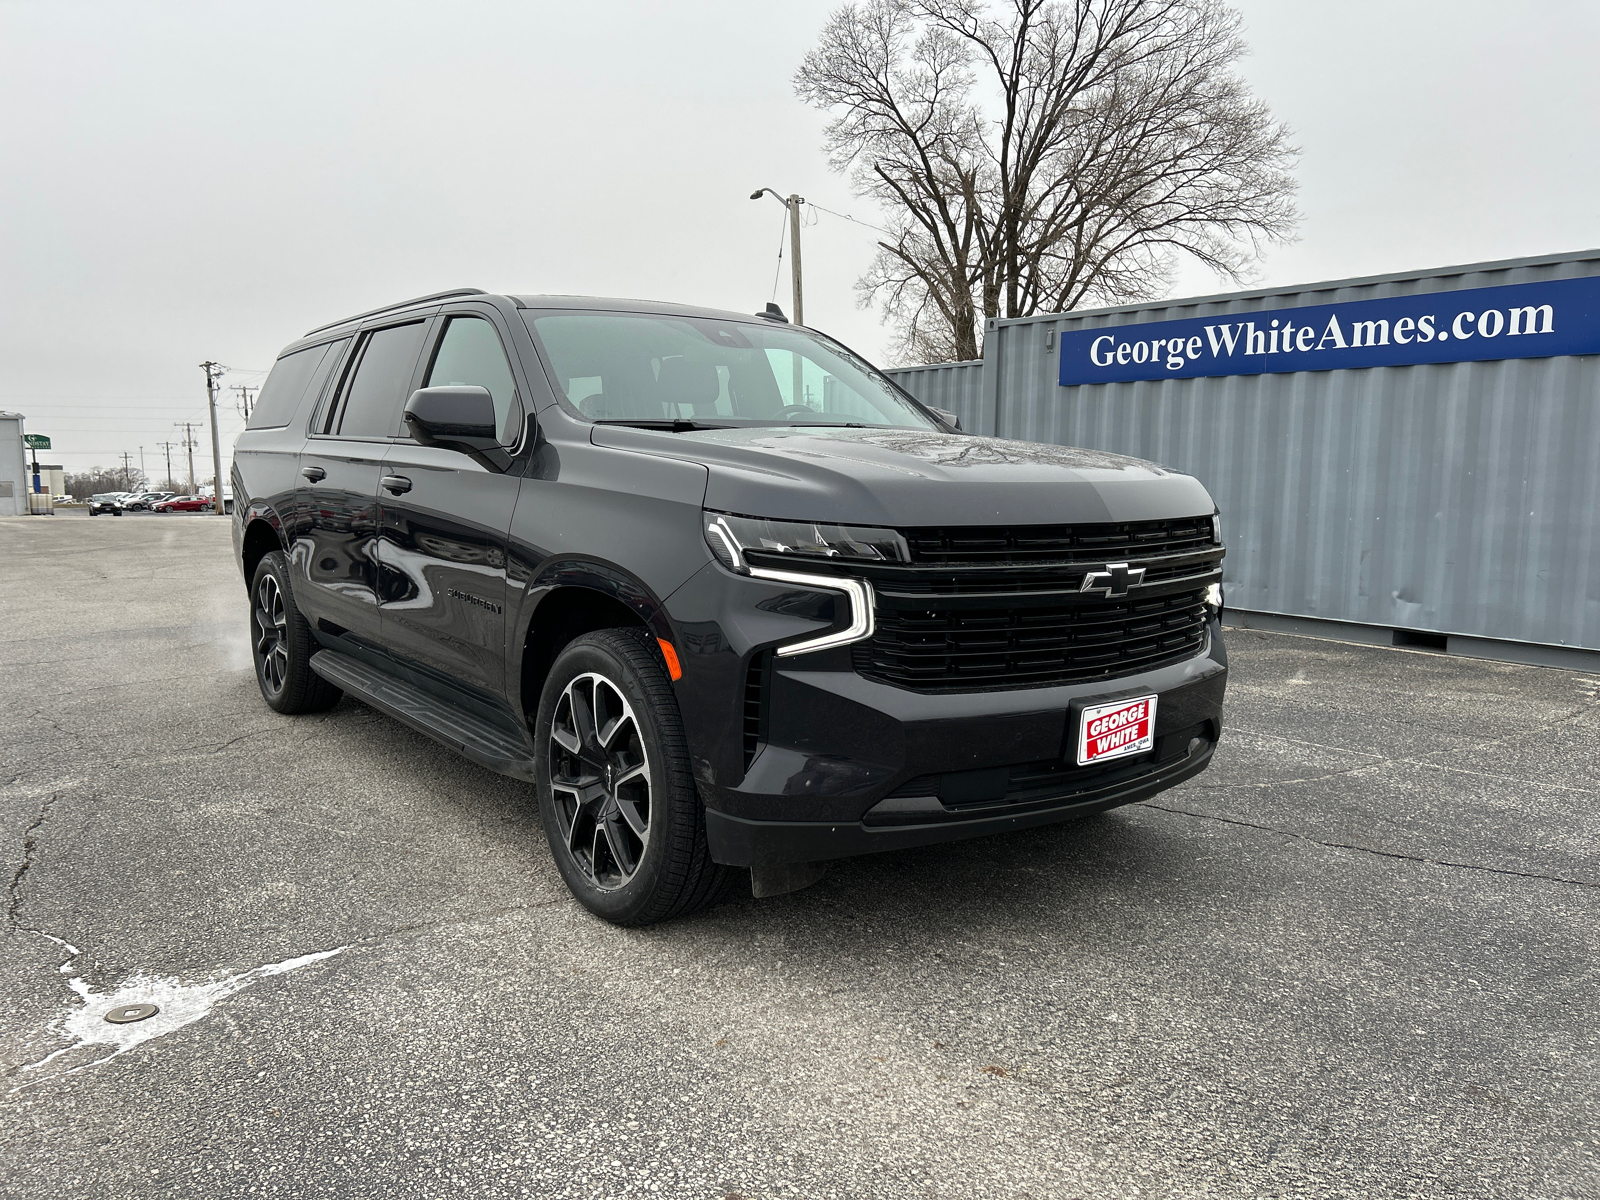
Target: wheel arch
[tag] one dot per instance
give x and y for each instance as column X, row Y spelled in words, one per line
column 263, row 534
column 569, row 599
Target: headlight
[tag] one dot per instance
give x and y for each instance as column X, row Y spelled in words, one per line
column 730, row 537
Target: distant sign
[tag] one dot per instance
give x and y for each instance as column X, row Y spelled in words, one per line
column 1525, row 320
column 36, row 441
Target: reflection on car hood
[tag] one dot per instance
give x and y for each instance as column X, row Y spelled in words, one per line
column 911, row 477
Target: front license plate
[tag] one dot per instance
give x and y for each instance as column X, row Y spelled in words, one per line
column 1116, row 730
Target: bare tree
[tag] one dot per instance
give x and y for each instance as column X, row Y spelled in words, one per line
column 1061, row 152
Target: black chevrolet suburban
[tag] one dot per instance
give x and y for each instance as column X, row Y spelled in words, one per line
column 721, row 591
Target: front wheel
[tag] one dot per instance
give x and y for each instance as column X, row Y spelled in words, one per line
column 616, row 793
column 281, row 643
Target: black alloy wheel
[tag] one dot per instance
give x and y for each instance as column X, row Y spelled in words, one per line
column 281, row 644
column 600, row 780
column 270, row 627
column 616, row 793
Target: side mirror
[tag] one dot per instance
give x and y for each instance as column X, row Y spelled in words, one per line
column 454, row 418
column 458, row 418
column 948, row 417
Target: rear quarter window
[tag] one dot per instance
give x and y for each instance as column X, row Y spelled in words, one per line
column 292, row 378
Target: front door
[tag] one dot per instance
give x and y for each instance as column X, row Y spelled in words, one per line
column 444, row 523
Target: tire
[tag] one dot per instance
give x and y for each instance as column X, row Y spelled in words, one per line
column 593, row 795
column 281, row 644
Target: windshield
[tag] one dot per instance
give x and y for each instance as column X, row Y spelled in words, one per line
column 636, row 367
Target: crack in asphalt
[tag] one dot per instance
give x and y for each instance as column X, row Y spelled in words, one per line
column 1417, row 858
column 29, row 848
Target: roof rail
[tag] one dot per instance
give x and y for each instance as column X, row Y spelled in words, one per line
column 372, row 312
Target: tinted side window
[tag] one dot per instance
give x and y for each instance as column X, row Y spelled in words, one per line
column 285, row 387
column 470, row 353
column 293, row 378
column 376, row 390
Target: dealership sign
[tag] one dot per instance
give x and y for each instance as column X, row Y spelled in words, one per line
column 1525, row 320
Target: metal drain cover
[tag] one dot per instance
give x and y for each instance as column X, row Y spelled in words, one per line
column 123, row 1014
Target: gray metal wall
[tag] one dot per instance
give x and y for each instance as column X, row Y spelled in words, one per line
column 13, row 467
column 957, row 387
column 1457, row 498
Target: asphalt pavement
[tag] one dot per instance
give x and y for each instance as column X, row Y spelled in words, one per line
column 1357, row 957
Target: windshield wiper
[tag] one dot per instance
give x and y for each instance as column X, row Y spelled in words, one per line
column 668, row 424
column 810, row 425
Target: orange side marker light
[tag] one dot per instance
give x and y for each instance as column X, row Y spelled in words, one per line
column 667, row 652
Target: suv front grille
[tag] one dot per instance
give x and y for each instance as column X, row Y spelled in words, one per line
column 961, row 650
column 1026, row 545
column 983, row 609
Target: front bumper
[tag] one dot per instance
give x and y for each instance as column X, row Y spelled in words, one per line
column 739, row 842
column 801, row 759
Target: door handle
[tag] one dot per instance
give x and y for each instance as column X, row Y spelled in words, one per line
column 398, row 484
column 314, row 474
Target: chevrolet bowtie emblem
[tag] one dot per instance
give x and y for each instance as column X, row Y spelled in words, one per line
column 1114, row 581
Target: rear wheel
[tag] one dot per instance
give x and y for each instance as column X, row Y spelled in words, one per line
column 281, row 644
column 616, row 793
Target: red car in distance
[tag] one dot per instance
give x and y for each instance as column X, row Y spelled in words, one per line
column 185, row 504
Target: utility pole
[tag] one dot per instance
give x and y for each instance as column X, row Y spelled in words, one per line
column 244, row 391
column 127, row 477
column 188, row 444
column 143, row 475
column 167, row 446
column 215, row 371
column 792, row 203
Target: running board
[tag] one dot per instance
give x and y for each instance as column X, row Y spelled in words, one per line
column 480, row 741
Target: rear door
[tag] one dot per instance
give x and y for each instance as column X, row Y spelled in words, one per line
column 444, row 522
column 335, row 568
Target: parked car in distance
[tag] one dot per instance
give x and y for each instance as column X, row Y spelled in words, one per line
column 725, row 596
column 184, row 504
column 105, row 502
column 143, row 501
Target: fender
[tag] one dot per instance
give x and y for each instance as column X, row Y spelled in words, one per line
column 244, row 516
column 577, row 571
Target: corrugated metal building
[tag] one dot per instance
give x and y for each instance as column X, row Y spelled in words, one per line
column 1449, row 504
column 13, row 467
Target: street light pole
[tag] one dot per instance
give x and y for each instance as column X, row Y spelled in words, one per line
column 792, row 203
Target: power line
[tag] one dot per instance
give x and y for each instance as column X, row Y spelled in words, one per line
column 783, row 234
column 848, row 217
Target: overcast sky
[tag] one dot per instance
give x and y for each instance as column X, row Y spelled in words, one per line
column 207, row 181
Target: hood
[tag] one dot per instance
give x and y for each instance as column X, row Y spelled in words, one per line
column 912, row 477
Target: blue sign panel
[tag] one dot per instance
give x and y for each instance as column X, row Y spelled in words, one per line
column 1524, row 320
